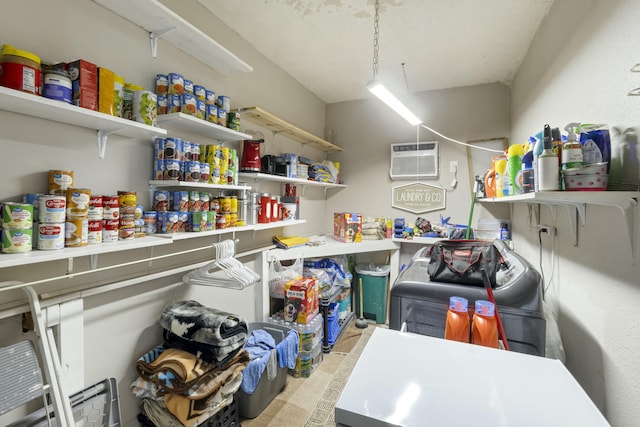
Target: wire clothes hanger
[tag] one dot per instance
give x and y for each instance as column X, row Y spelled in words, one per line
column 224, row 271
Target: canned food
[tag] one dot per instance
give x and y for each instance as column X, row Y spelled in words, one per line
column 150, row 222
column 205, row 200
column 176, row 83
column 200, row 92
column 199, row 221
column 195, row 151
column 17, row 215
column 96, row 208
column 173, row 149
column 76, row 232
column 225, row 205
column 201, row 111
column 52, row 208
column 192, row 171
column 222, row 117
column 17, row 240
column 160, row 201
column 188, row 104
column 211, row 113
column 111, row 207
column 205, row 172
column 158, row 169
column 233, row 120
column 95, row 231
column 78, row 202
column 168, row 222
column 162, row 84
column 173, row 170
column 51, row 236
column 188, row 86
column 59, row 181
column 210, row 97
column 158, row 148
column 163, row 104
column 174, row 102
column 224, row 102
column 127, row 203
column 180, row 201
column 126, row 233
column 110, row 230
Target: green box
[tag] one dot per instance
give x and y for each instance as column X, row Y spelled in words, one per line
column 375, row 280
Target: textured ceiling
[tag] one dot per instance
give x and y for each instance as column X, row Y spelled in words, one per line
column 327, row 45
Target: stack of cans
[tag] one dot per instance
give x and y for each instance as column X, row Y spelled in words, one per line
column 110, row 218
column 127, row 204
column 96, row 217
column 52, row 210
column 77, row 218
column 17, row 227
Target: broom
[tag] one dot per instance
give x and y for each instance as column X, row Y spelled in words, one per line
column 360, row 322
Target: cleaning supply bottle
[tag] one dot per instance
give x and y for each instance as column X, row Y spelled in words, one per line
column 556, row 147
column 572, row 149
column 484, row 329
column 514, row 166
column 528, row 173
column 457, row 327
column 596, row 144
column 548, row 171
column 500, row 179
column 537, row 150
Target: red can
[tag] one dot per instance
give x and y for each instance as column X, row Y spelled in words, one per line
column 111, row 207
column 264, row 215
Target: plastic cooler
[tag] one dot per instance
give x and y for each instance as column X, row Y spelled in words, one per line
column 251, row 405
column 374, row 291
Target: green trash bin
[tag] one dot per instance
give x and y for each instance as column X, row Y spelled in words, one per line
column 375, row 279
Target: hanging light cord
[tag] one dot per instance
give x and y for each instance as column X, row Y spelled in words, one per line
column 376, row 37
column 460, row 142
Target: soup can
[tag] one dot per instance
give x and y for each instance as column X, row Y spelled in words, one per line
column 78, row 202
column 188, row 104
column 224, row 102
column 59, row 181
column 96, row 208
column 17, row 215
column 52, row 208
column 76, row 232
column 180, row 201
column 95, row 231
column 163, row 104
column 188, row 86
column 205, row 172
column 17, row 240
column 211, row 113
column 201, row 109
column 51, row 236
column 110, row 230
column 110, row 207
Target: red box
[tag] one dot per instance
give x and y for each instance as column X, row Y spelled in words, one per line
column 84, row 84
column 301, row 300
column 347, row 227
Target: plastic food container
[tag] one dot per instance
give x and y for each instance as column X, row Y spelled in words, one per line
column 592, row 182
column 20, row 70
column 588, row 169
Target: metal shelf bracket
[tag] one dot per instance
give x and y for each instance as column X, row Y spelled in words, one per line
column 102, row 141
column 154, row 36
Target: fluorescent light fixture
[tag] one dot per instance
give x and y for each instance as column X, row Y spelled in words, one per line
column 394, row 103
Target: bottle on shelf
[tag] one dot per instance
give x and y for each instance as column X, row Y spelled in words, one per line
column 548, row 170
column 457, row 327
column 484, row 329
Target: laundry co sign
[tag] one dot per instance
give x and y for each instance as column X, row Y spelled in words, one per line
column 418, row 197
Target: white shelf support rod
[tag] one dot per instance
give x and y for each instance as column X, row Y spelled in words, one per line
column 572, row 210
column 94, row 261
column 70, row 265
column 154, row 36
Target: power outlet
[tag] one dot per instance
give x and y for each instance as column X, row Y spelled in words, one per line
column 453, row 166
column 547, row 229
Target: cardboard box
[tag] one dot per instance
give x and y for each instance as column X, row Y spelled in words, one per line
column 84, row 84
column 106, row 92
column 347, row 227
column 301, row 300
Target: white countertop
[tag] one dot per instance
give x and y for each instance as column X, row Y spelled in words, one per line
column 404, row 379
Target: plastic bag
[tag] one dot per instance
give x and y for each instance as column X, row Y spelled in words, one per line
column 279, row 275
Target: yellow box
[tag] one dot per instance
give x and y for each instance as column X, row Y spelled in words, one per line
column 106, row 94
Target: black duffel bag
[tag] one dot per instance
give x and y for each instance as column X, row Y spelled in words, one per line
column 462, row 261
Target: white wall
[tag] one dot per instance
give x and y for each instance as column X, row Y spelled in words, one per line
column 577, row 69
column 121, row 325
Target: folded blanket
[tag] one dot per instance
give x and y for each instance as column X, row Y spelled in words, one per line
column 209, row 353
column 193, row 321
column 180, row 372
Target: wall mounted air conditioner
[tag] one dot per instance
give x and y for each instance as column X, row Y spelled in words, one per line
column 414, row 160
